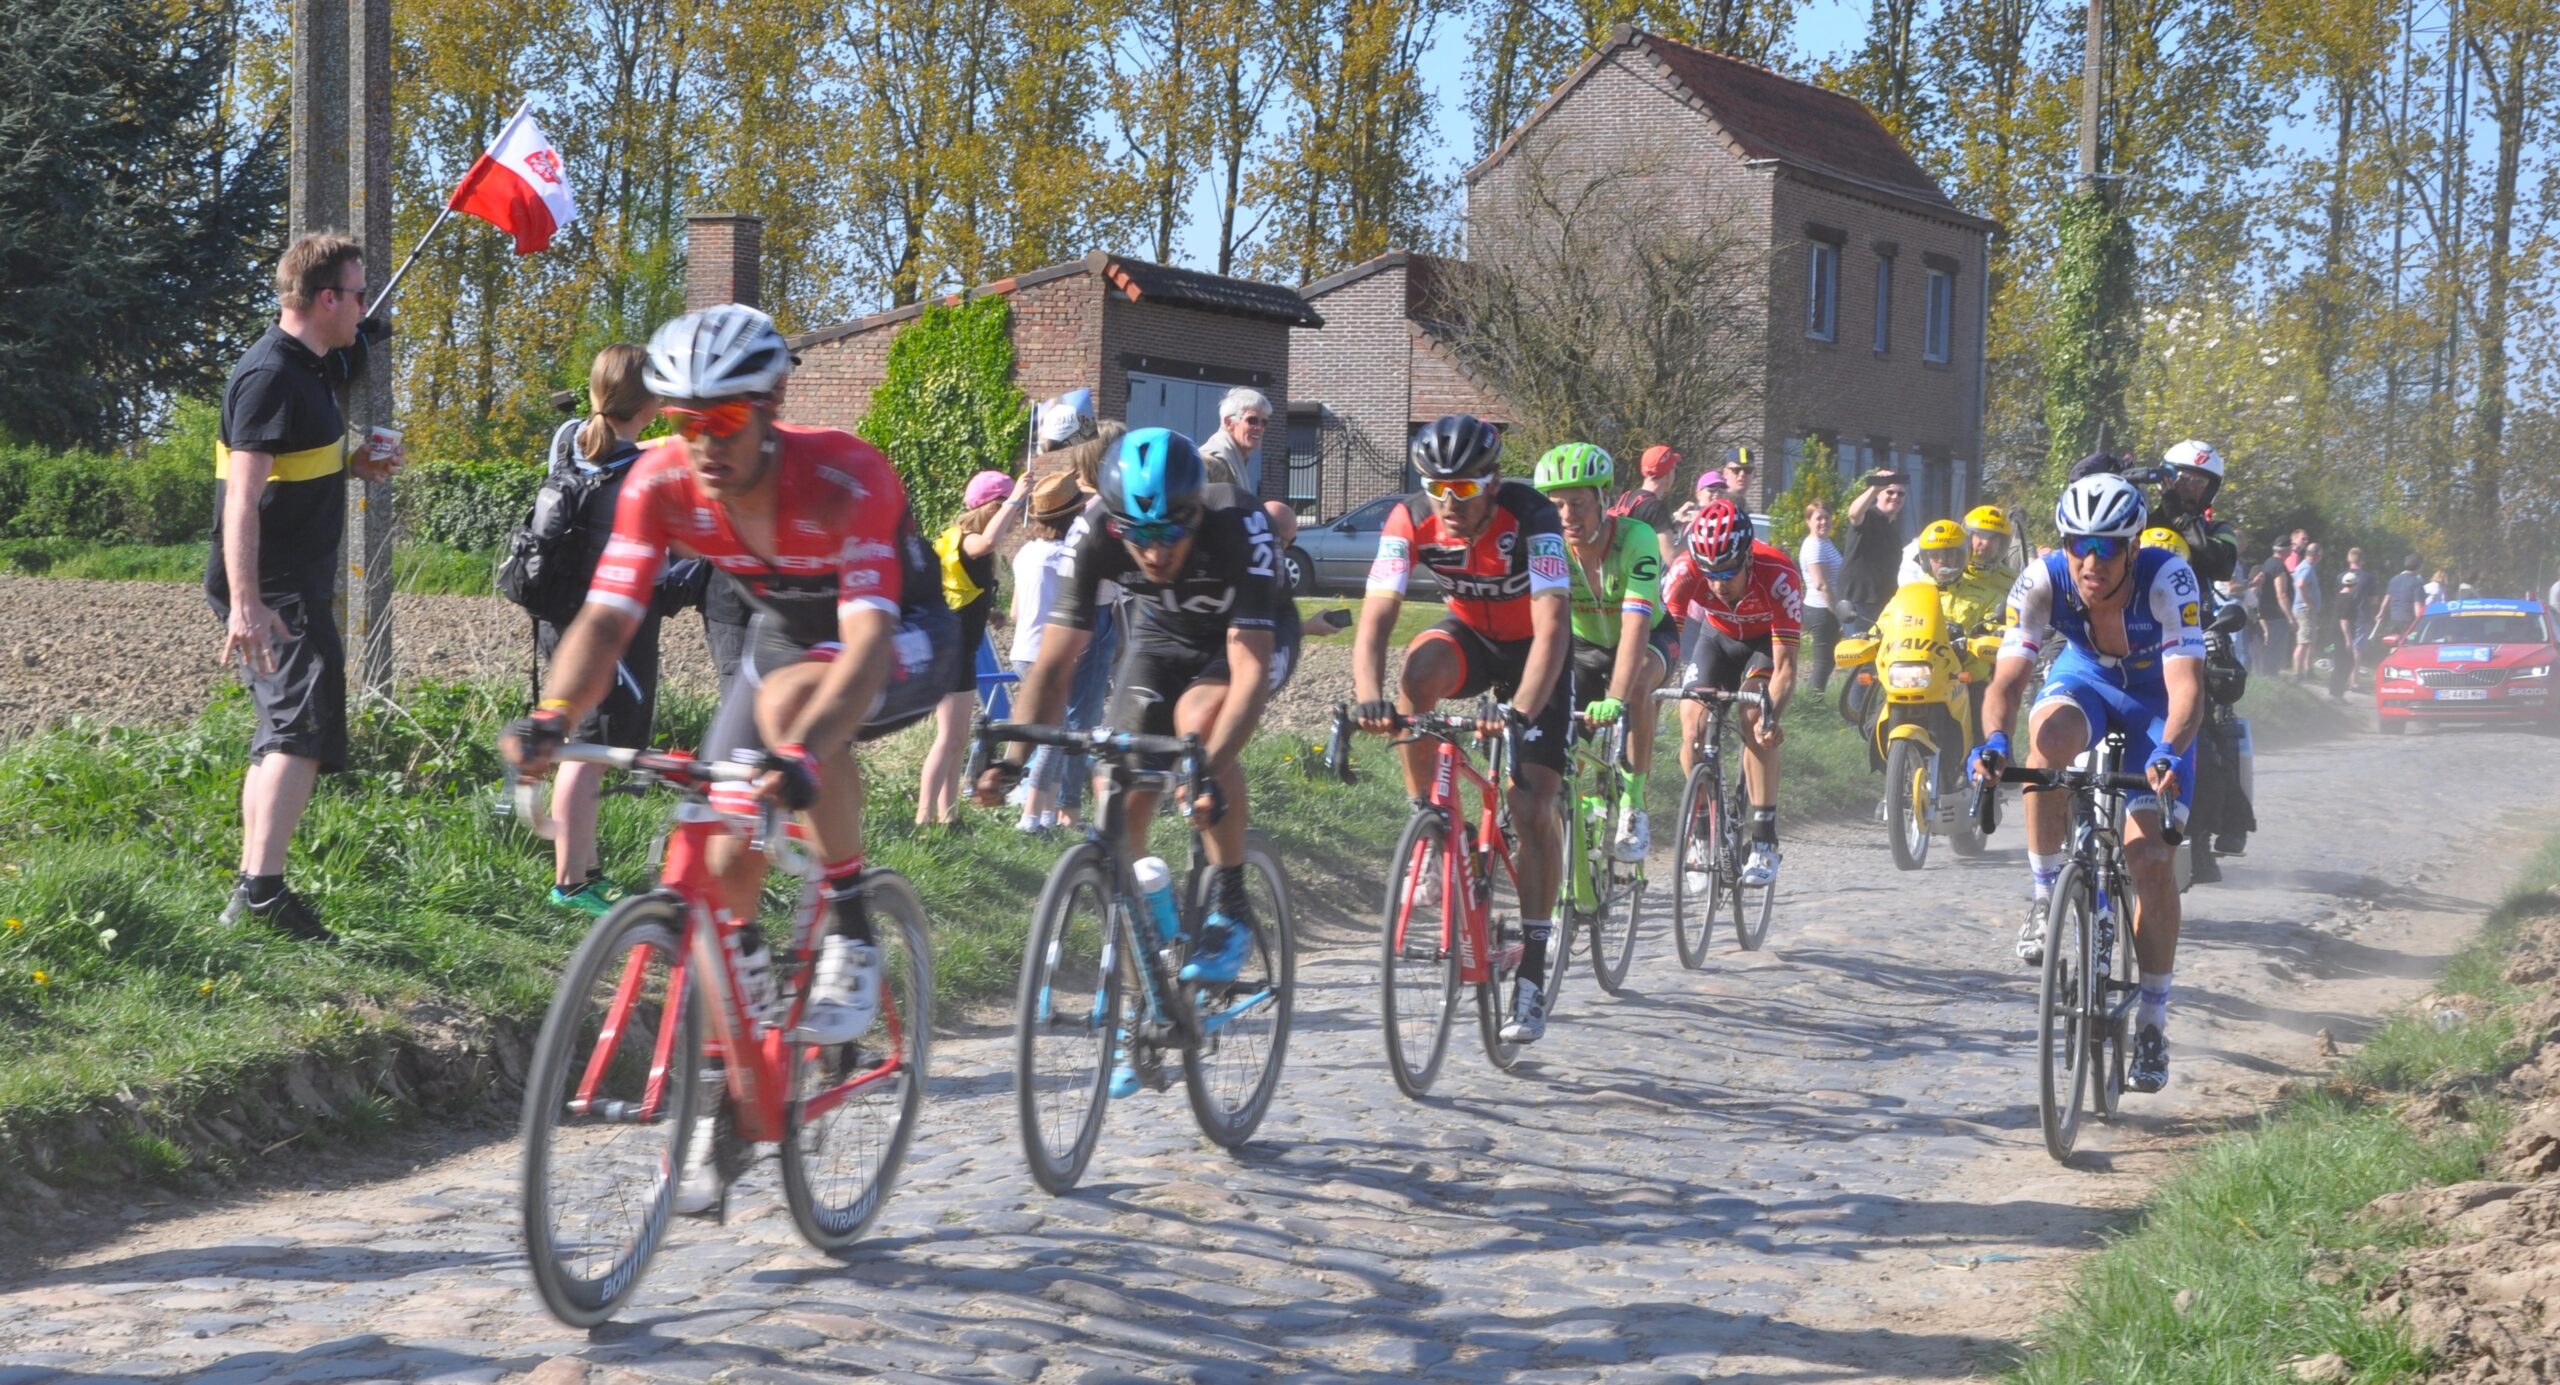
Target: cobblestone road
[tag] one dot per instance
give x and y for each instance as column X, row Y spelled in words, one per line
column 1747, row 1172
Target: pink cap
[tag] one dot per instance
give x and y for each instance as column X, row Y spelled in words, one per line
column 1711, row 481
column 986, row 486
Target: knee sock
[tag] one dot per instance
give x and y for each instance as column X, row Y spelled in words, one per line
column 1533, row 956
column 844, row 898
column 2045, row 867
column 2154, row 1010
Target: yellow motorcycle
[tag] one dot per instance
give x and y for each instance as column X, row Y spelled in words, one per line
column 1910, row 684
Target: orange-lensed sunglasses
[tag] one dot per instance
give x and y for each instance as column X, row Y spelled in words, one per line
column 720, row 420
column 1464, row 488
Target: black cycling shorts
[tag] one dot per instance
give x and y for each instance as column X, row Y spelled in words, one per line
column 922, row 677
column 302, row 706
column 1487, row 666
column 1154, row 675
column 1593, row 665
column 1711, row 658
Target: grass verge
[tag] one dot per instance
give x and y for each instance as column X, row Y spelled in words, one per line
column 116, row 848
column 420, row 569
column 2253, row 1255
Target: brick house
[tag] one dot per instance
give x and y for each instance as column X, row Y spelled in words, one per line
column 1157, row 345
column 1875, row 303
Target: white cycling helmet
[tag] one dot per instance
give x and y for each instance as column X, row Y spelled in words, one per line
column 2105, row 505
column 717, row 353
column 2198, row 455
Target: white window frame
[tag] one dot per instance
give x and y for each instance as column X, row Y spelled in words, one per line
column 1884, row 304
column 1822, row 291
column 1937, row 343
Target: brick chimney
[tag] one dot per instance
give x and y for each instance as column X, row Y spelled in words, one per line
column 723, row 263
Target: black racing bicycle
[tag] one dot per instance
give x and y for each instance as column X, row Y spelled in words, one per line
column 1714, row 837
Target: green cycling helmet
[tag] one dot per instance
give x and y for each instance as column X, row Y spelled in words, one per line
column 1571, row 467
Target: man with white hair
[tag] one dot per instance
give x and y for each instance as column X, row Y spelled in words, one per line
column 1231, row 454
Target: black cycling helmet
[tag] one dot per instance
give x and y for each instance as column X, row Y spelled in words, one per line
column 1457, row 446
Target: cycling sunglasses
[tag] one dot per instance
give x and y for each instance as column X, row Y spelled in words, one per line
column 719, row 420
column 1464, row 488
column 1730, row 571
column 2103, row 547
column 1155, row 533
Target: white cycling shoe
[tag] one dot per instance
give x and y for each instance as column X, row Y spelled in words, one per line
column 2031, row 935
column 1635, row 837
column 1761, row 870
column 844, row 997
column 700, row 1189
column 1528, row 1014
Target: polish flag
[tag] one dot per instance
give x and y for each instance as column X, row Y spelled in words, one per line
column 519, row 186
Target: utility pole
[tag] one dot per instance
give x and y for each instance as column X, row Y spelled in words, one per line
column 2092, row 75
column 340, row 179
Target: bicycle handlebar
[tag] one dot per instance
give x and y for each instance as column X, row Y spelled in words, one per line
column 1986, row 797
column 673, row 767
column 1101, row 741
column 1748, row 697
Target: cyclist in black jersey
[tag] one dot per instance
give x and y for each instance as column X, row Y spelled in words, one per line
column 1212, row 636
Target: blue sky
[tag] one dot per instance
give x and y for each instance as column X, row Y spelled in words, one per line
column 1823, row 29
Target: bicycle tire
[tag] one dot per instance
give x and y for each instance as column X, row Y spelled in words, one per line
column 1692, row 912
column 1908, row 793
column 1274, row 960
column 832, row 1217
column 1560, row 928
column 2062, row 1048
column 617, row 952
column 1490, row 1014
column 1753, row 905
column 1613, row 924
column 1422, row 970
column 1061, row 1112
column 2112, row 1054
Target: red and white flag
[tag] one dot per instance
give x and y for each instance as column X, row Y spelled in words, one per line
column 519, row 186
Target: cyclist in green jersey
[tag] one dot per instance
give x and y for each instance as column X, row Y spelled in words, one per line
column 1623, row 638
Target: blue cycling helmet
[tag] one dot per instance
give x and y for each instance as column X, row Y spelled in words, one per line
column 1154, row 477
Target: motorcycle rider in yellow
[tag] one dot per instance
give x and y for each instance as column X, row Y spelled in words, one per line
column 1970, row 591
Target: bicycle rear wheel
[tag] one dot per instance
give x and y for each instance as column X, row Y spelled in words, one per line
column 854, row 1106
column 1569, row 858
column 1753, row 905
column 609, row 1105
column 1698, row 867
column 2063, row 1009
column 1491, row 1012
column 1066, row 1015
column 1418, row 954
column 1230, row 1077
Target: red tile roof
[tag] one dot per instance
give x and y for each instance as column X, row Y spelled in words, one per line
column 1774, row 117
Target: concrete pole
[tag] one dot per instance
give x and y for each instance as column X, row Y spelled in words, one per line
column 369, row 514
column 2092, row 76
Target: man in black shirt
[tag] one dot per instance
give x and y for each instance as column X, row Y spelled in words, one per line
column 1871, row 548
column 280, row 500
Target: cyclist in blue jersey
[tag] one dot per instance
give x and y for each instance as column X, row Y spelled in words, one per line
column 2132, row 661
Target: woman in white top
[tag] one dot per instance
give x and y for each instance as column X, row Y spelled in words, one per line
column 1818, row 559
column 1039, row 570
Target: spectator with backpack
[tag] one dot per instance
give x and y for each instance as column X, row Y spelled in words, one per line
column 548, row 565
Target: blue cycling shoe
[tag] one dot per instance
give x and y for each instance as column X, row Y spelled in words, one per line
column 1124, row 1074
column 1224, row 944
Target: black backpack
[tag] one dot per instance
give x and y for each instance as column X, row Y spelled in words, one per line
column 546, row 566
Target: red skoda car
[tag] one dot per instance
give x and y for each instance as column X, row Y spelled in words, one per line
column 2471, row 661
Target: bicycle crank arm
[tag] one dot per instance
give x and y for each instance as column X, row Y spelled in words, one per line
column 1213, row 1023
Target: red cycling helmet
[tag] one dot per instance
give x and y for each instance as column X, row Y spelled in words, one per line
column 1720, row 537
column 1658, row 460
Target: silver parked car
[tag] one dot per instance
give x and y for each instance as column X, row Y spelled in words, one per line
column 1334, row 557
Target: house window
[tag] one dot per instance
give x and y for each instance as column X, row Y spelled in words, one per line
column 1942, row 315
column 1884, row 304
column 1822, row 299
column 1306, row 461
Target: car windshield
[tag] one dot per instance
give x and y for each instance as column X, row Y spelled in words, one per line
column 2479, row 627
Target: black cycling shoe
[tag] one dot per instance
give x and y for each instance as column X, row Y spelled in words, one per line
column 2149, row 1071
column 288, row 913
column 2207, row 870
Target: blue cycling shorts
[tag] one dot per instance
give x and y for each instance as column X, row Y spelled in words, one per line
column 2143, row 717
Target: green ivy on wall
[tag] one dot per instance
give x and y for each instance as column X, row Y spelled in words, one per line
column 947, row 407
column 2089, row 349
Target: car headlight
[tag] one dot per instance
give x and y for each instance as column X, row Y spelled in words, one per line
column 1904, row 677
column 2537, row 671
column 2397, row 675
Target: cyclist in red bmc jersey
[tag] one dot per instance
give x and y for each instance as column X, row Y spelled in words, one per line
column 1498, row 550
column 1740, row 604
column 850, row 639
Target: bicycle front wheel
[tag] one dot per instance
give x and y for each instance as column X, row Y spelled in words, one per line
column 1698, row 868
column 1066, row 1016
column 854, row 1106
column 1571, row 842
column 1613, row 925
column 609, row 1105
column 2063, row 1010
column 1418, row 956
column 1753, row 905
column 1245, row 1022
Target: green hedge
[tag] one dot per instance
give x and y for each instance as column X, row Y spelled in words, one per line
column 946, row 408
column 466, row 505
column 162, row 495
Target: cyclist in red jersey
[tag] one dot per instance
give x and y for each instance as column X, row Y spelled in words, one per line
column 1498, row 550
column 1740, row 604
column 850, row 639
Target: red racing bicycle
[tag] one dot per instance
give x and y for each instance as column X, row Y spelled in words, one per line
column 657, row 1023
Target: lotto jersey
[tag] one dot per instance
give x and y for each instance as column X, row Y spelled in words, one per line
column 1771, row 605
column 1489, row 580
column 2163, row 621
column 843, row 538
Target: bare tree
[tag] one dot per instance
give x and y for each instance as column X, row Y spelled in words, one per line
column 1600, row 311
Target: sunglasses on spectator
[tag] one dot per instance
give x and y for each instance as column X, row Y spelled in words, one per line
column 719, row 420
column 1464, row 488
column 2102, row 547
column 1154, row 533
